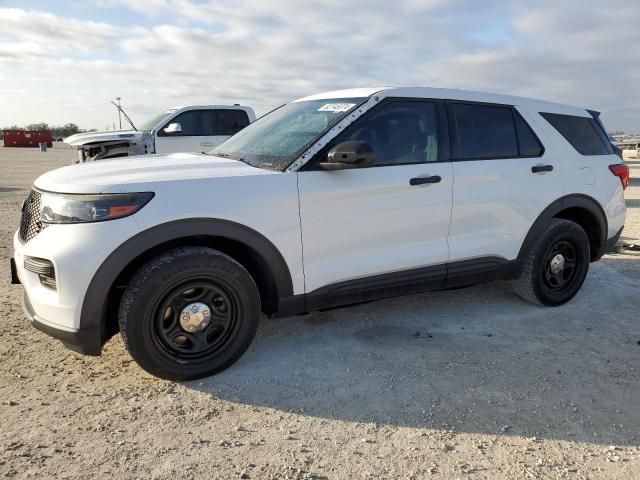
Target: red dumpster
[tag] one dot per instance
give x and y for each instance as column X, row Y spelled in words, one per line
column 26, row 138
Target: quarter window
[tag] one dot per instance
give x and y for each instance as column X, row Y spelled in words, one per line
column 580, row 132
column 528, row 144
column 399, row 132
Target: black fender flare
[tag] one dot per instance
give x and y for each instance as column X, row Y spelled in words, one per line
column 569, row 201
column 94, row 306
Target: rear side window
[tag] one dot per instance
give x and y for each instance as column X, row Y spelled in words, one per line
column 580, row 132
column 484, row 131
column 230, row 122
column 491, row 131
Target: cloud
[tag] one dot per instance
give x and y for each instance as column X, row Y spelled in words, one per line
column 49, row 30
column 266, row 53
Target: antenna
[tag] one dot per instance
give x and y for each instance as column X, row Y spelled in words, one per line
column 121, row 110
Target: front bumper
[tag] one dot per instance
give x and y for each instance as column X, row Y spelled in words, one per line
column 76, row 252
column 86, row 341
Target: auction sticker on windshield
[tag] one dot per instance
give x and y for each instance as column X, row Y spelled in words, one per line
column 336, row 107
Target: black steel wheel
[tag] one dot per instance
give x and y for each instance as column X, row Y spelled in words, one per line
column 556, row 266
column 559, row 264
column 189, row 313
column 196, row 318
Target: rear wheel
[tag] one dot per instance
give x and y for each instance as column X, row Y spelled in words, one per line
column 189, row 313
column 556, row 266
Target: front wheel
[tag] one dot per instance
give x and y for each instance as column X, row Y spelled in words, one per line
column 189, row 313
column 556, row 266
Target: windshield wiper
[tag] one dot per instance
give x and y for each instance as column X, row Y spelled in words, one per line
column 226, row 155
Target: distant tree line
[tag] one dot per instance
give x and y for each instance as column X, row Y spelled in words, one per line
column 57, row 131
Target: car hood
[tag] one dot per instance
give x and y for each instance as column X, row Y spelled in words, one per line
column 140, row 172
column 80, row 139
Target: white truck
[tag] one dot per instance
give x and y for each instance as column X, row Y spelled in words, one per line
column 196, row 128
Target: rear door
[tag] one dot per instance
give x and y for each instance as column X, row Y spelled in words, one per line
column 504, row 179
column 385, row 219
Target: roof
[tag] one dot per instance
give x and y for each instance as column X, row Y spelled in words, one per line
column 451, row 94
column 348, row 93
column 235, row 106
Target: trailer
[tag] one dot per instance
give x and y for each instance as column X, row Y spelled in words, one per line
column 26, row 138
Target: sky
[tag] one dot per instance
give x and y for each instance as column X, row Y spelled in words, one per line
column 63, row 61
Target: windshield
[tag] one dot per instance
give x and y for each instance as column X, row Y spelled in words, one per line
column 153, row 121
column 278, row 138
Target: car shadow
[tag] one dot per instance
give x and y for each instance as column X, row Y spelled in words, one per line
column 473, row 360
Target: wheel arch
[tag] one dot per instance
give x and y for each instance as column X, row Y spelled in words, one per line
column 581, row 209
column 251, row 249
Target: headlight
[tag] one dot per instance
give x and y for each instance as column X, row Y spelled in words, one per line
column 70, row 208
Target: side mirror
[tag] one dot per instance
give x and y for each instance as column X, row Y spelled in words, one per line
column 352, row 154
column 173, row 129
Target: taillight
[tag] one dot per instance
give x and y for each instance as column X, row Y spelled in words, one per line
column 621, row 171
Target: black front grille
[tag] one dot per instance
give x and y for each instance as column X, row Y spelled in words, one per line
column 31, row 224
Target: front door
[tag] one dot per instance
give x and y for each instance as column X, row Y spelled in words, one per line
column 196, row 135
column 387, row 218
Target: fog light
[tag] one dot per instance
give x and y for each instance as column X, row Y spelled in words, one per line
column 48, row 282
column 45, row 270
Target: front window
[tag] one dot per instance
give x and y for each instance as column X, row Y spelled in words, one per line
column 153, row 121
column 207, row 123
column 278, row 138
column 399, row 133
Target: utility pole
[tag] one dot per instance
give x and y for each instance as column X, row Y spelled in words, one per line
column 119, row 113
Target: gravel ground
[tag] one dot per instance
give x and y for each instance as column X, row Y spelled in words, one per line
column 470, row 383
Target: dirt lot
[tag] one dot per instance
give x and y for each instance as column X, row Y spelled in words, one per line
column 469, row 383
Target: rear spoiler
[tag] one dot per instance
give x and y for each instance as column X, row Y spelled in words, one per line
column 604, row 136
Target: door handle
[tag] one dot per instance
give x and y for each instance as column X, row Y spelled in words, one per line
column 422, row 180
column 541, row 168
column 207, row 144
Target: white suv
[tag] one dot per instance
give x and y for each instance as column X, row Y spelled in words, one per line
column 334, row 199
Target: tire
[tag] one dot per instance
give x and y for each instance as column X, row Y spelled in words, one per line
column 189, row 313
column 539, row 283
